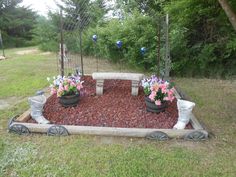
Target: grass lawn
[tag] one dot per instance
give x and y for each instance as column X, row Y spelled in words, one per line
column 22, row 74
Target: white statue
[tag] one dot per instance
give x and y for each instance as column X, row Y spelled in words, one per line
column 185, row 110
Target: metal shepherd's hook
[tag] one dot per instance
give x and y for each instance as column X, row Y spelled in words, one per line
column 95, row 44
column 119, row 45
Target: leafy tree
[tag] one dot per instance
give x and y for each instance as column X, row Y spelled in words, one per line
column 202, row 41
column 229, row 12
column 16, row 23
column 46, row 34
column 82, row 13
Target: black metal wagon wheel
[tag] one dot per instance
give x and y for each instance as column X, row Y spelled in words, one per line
column 57, row 130
column 11, row 121
column 157, row 135
column 195, row 136
column 19, row 129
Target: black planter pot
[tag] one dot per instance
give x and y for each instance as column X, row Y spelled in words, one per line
column 69, row 101
column 152, row 107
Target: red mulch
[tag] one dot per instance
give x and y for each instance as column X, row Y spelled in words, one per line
column 115, row 108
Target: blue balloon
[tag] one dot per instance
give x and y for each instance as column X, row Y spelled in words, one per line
column 95, row 38
column 119, row 44
column 143, row 50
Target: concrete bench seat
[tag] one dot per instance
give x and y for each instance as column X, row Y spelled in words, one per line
column 135, row 78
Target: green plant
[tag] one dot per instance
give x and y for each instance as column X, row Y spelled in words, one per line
column 64, row 86
column 158, row 90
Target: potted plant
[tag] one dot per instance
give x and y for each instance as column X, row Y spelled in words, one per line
column 157, row 93
column 67, row 89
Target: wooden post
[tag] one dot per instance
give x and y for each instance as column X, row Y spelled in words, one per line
column 62, row 48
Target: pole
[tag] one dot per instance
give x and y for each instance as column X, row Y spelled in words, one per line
column 81, row 51
column 167, row 51
column 120, row 60
column 95, row 51
column 80, row 39
column 62, row 48
column 1, row 42
column 158, row 48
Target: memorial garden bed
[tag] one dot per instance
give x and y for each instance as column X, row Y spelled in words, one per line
column 116, row 112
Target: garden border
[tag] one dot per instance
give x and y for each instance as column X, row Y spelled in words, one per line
column 17, row 125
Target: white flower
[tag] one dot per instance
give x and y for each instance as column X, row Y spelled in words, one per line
column 59, row 77
column 48, row 79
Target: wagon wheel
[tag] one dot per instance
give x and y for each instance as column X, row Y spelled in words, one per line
column 57, row 130
column 12, row 120
column 195, row 136
column 158, row 135
column 19, row 129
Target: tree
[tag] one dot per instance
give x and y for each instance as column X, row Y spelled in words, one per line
column 46, row 34
column 152, row 8
column 82, row 13
column 229, row 12
column 16, row 23
column 5, row 4
column 202, row 44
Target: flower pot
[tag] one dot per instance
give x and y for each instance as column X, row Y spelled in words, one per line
column 152, row 107
column 69, row 100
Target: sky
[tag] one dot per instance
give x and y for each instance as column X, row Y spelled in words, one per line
column 41, row 6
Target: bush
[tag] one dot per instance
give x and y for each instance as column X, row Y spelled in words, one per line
column 135, row 31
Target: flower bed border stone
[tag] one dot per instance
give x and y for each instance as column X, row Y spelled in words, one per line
column 19, row 126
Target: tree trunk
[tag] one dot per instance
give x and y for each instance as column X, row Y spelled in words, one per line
column 229, row 12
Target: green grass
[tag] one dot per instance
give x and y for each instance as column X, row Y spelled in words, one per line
column 88, row 156
column 21, row 75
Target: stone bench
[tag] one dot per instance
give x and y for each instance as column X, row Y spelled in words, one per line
column 101, row 76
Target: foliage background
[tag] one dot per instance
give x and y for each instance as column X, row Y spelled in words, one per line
column 202, row 40
column 16, row 23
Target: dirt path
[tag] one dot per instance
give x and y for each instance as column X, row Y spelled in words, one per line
column 28, row 51
column 10, row 101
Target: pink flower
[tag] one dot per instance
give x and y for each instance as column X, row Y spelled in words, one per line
column 61, row 87
column 79, row 86
column 164, row 90
column 171, row 98
column 152, row 95
column 158, row 102
column 66, row 87
column 163, row 86
column 53, row 91
column 166, row 98
column 72, row 84
column 155, row 87
column 171, row 91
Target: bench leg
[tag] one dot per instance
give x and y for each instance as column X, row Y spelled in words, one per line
column 99, row 87
column 135, row 85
